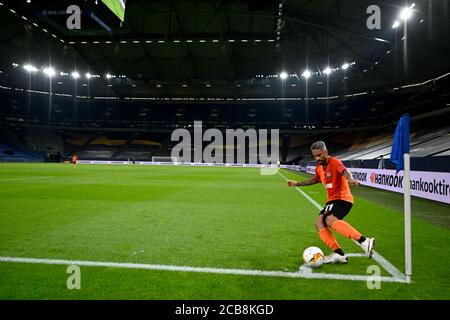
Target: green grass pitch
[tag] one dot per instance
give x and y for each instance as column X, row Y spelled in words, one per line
column 197, row 217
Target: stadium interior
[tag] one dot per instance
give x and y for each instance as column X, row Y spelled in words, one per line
column 172, row 64
column 92, row 91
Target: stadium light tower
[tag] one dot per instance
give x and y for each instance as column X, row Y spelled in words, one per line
column 306, row 74
column 345, row 66
column 49, row 71
column 407, row 12
column 283, row 75
column 327, row 71
column 30, row 68
column 75, row 75
column 404, row 15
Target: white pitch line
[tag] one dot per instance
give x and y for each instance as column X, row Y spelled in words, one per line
column 28, row 178
column 150, row 267
column 355, row 255
column 308, row 274
column 302, row 273
column 318, row 206
column 389, row 267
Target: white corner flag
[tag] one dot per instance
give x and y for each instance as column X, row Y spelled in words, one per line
column 400, row 157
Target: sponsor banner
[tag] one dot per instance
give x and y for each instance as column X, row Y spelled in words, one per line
column 290, row 167
column 311, row 169
column 102, row 162
column 201, row 164
column 424, row 184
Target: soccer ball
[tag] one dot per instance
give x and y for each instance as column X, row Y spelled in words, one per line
column 313, row 257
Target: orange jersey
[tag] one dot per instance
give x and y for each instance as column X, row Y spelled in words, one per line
column 335, row 183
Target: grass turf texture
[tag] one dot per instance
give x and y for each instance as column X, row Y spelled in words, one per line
column 190, row 216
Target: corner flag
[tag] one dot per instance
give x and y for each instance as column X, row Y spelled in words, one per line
column 400, row 144
column 400, row 157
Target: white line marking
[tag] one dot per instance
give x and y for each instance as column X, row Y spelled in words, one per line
column 389, row 267
column 307, row 273
column 302, row 273
column 355, row 254
column 318, row 206
column 28, row 178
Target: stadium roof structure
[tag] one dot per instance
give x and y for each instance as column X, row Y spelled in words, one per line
column 224, row 48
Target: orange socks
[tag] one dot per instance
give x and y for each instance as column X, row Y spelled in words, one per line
column 346, row 230
column 328, row 238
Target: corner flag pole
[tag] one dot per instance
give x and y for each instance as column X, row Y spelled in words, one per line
column 400, row 157
column 407, row 208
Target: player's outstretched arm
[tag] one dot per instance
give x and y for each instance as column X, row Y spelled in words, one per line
column 351, row 182
column 310, row 182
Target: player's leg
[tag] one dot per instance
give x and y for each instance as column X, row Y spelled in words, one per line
column 328, row 238
column 325, row 234
column 334, row 220
column 343, row 228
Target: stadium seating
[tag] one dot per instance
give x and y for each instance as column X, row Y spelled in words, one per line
column 43, row 139
column 12, row 154
column 423, row 144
